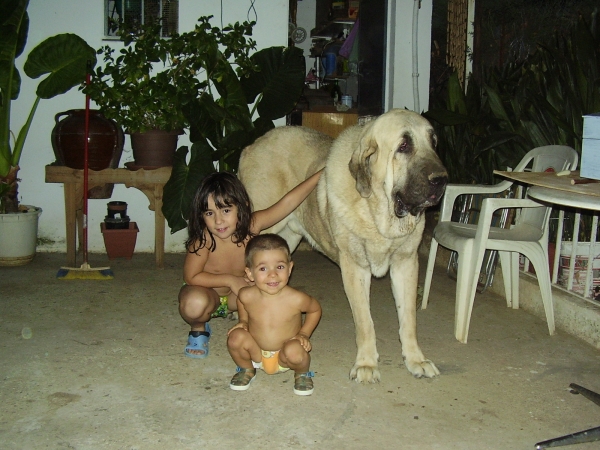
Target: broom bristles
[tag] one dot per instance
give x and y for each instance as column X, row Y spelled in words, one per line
column 85, row 272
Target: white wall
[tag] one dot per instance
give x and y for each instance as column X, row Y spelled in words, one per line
column 305, row 18
column 399, row 85
column 84, row 17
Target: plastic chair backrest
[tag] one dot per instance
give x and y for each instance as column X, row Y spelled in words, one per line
column 553, row 158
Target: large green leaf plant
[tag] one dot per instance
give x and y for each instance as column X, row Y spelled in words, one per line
column 234, row 109
column 522, row 105
column 471, row 139
column 63, row 58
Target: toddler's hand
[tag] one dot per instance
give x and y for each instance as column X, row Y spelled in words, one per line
column 304, row 341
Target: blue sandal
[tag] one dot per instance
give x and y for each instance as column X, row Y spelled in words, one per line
column 199, row 343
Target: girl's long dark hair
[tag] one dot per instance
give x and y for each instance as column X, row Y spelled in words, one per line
column 226, row 190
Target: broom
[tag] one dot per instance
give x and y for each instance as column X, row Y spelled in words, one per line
column 85, row 272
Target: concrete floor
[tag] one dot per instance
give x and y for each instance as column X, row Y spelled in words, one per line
column 100, row 364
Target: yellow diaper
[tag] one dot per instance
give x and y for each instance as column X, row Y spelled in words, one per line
column 270, row 363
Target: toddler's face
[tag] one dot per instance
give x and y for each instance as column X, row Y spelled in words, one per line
column 270, row 270
column 221, row 222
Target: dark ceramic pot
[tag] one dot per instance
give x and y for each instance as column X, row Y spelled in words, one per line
column 105, row 143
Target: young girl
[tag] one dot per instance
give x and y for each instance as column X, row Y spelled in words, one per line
column 221, row 223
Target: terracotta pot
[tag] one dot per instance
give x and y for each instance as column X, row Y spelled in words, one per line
column 120, row 243
column 154, row 148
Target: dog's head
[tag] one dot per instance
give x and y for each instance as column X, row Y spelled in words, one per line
column 396, row 154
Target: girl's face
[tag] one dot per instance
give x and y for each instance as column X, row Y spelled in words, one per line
column 221, row 222
column 270, row 270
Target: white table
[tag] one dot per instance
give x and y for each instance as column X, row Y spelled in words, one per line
column 559, row 189
column 566, row 190
column 549, row 188
column 565, row 198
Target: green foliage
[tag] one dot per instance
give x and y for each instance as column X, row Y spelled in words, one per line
column 471, row 140
column 539, row 101
column 148, row 83
column 205, row 79
column 63, row 58
column 221, row 127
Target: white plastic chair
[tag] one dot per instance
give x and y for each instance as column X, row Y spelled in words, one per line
column 528, row 236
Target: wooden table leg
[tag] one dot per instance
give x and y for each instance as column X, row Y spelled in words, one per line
column 71, row 221
column 159, row 228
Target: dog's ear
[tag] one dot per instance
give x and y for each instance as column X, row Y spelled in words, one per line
column 360, row 163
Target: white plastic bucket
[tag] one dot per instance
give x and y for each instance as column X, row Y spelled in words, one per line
column 18, row 236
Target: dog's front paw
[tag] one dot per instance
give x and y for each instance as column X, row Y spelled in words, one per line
column 422, row 369
column 365, row 374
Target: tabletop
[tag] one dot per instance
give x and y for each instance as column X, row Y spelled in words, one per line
column 570, row 182
column 567, row 189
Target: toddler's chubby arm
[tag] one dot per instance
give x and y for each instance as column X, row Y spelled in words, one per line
column 312, row 308
column 266, row 218
column 194, row 273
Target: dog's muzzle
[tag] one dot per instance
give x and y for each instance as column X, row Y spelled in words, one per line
column 419, row 199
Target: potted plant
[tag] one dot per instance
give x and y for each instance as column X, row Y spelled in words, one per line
column 145, row 85
column 238, row 101
column 205, row 79
column 63, row 58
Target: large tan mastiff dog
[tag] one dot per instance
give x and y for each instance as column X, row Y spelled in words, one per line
column 366, row 213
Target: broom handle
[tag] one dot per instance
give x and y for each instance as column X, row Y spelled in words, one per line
column 86, row 168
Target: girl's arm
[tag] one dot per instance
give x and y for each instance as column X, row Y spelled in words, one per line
column 268, row 217
column 194, row 274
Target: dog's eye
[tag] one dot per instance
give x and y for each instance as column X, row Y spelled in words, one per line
column 433, row 138
column 405, row 147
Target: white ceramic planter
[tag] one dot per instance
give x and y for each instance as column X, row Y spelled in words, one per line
column 18, row 236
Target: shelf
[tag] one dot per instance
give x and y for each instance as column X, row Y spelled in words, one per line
column 331, row 30
column 348, row 21
column 336, row 77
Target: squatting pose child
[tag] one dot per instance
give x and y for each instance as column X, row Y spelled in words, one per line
column 270, row 334
column 221, row 223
